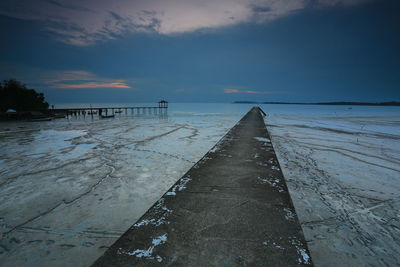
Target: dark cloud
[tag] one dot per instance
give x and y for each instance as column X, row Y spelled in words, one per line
column 260, row 9
column 149, row 12
column 68, row 6
column 110, row 19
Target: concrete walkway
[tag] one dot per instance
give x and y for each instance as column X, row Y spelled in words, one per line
column 231, row 209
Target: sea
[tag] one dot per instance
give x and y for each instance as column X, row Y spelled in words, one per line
column 70, row 187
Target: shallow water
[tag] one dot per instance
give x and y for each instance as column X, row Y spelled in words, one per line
column 70, row 187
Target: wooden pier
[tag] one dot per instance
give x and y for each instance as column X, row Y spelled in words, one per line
column 162, row 108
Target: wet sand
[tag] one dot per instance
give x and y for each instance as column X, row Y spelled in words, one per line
column 69, row 189
column 344, row 178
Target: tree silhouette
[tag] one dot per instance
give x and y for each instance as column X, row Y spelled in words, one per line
column 15, row 95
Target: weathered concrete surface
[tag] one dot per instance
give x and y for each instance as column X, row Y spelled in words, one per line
column 231, row 209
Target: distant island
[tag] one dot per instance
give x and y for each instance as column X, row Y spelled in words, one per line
column 391, row 103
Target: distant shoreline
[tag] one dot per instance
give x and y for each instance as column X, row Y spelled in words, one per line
column 392, row 103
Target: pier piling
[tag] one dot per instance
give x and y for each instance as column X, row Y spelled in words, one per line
column 77, row 112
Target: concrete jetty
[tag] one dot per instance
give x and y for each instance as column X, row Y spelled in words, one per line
column 230, row 209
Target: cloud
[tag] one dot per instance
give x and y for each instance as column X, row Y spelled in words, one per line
column 80, row 79
column 67, row 79
column 92, row 85
column 236, row 91
column 83, row 23
column 63, row 5
column 70, row 75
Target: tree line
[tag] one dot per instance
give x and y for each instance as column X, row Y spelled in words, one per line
column 15, row 95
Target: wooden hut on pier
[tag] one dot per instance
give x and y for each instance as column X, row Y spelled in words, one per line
column 163, row 104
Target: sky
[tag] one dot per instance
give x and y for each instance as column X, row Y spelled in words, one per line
column 92, row 51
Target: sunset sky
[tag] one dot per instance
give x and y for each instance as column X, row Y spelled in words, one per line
column 93, row 51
